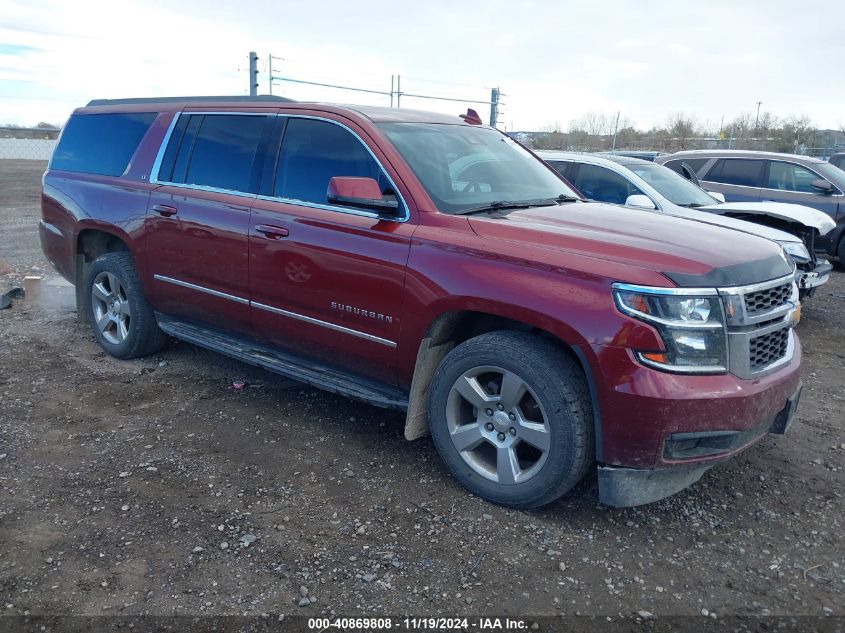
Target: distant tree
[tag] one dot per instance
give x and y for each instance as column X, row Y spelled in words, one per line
column 681, row 128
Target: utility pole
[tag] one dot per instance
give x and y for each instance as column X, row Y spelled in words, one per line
column 398, row 89
column 757, row 120
column 616, row 129
column 253, row 73
column 270, row 73
column 494, row 107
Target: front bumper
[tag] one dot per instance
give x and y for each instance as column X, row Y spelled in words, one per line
column 626, row 487
column 816, row 277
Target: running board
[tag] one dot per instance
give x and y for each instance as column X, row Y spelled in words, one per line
column 309, row 372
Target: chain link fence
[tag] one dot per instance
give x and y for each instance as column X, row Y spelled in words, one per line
column 18, row 143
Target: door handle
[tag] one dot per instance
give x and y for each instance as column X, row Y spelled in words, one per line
column 271, row 232
column 165, row 210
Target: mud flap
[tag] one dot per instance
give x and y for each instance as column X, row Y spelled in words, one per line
column 628, row 487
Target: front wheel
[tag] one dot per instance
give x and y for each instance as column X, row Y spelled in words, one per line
column 122, row 320
column 510, row 415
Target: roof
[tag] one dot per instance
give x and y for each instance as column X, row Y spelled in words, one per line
column 373, row 113
column 742, row 153
column 600, row 158
column 218, row 99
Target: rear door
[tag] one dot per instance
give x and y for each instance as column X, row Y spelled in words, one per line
column 198, row 218
column 326, row 280
column 739, row 179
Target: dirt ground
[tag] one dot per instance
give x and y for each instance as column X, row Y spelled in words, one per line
column 152, row 487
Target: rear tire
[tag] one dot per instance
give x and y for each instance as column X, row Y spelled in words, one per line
column 118, row 313
column 510, row 415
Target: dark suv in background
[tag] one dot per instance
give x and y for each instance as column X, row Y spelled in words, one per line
column 745, row 176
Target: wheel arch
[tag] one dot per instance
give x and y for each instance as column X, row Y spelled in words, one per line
column 452, row 327
column 93, row 240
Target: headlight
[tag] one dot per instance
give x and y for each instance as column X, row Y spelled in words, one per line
column 691, row 326
column 796, row 250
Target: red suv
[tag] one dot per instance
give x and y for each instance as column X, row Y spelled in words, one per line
column 431, row 264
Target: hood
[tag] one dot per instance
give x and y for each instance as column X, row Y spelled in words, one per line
column 690, row 253
column 752, row 228
column 783, row 211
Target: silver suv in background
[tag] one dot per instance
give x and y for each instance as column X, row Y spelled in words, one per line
column 747, row 176
column 640, row 183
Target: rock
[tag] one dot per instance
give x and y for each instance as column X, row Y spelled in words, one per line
column 313, row 599
column 468, row 600
column 645, row 615
column 487, row 517
column 163, row 363
column 304, row 602
column 368, row 577
column 303, row 591
column 221, row 527
column 124, row 474
column 659, row 589
column 705, row 612
column 124, row 508
column 197, row 549
column 561, row 566
column 248, row 539
column 224, row 545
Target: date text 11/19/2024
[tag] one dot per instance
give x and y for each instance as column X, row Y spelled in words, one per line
column 420, row 624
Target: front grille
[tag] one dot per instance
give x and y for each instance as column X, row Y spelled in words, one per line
column 767, row 349
column 765, row 300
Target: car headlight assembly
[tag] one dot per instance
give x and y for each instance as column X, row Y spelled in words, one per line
column 692, row 327
column 796, row 251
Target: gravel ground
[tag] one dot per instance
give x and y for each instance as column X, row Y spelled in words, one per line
column 152, row 487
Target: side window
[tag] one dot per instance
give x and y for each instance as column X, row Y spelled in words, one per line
column 560, row 166
column 791, row 177
column 101, row 143
column 736, row 171
column 218, row 150
column 313, row 152
column 695, row 163
column 838, row 160
column 604, row 185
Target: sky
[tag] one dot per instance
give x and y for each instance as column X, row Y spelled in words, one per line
column 554, row 61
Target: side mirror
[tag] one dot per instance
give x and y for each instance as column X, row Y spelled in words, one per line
column 639, row 200
column 718, row 195
column 359, row 193
column 822, row 185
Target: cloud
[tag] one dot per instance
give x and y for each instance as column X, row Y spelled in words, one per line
column 553, row 61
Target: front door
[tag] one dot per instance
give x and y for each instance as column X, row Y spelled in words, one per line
column 327, row 281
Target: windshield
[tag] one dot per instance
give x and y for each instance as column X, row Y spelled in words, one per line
column 464, row 167
column 673, row 186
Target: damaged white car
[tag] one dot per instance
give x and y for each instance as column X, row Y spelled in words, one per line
column 639, row 183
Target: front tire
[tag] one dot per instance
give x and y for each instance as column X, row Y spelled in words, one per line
column 510, row 415
column 118, row 313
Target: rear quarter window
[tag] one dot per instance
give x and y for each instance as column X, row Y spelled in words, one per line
column 101, row 144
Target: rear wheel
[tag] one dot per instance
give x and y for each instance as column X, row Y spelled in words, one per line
column 510, row 415
column 118, row 312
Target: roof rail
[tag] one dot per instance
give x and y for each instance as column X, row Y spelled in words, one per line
column 232, row 98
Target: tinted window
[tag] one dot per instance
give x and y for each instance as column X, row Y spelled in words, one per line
column 791, row 177
column 736, row 171
column 695, row 163
column 561, row 167
column 314, row 152
column 838, row 160
column 604, row 185
column 223, row 151
column 101, row 143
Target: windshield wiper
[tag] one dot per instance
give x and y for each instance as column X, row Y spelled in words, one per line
column 563, row 198
column 497, row 205
column 500, row 205
column 691, row 205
